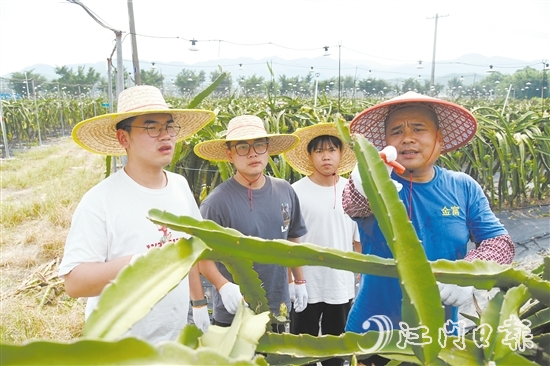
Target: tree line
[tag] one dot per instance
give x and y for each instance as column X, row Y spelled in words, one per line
column 525, row 83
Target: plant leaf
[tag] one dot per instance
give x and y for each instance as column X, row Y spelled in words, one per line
column 138, row 287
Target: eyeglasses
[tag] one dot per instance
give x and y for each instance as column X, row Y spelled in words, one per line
column 243, row 148
column 154, row 129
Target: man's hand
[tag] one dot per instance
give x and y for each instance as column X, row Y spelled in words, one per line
column 231, row 296
column 201, row 317
column 389, row 157
column 455, row 295
column 301, row 297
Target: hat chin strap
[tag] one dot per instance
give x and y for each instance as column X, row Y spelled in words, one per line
column 334, row 181
column 250, row 183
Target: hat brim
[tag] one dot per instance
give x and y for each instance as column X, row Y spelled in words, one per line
column 457, row 124
column 215, row 150
column 98, row 134
column 298, row 158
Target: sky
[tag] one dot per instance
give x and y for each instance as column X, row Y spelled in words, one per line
column 57, row 32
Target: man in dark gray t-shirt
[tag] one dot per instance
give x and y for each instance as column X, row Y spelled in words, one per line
column 255, row 205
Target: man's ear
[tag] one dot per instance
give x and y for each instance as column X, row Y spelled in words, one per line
column 439, row 139
column 123, row 138
column 229, row 155
column 440, row 136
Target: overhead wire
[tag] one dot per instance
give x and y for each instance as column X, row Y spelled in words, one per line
column 93, row 15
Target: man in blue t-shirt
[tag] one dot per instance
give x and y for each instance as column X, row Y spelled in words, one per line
column 446, row 208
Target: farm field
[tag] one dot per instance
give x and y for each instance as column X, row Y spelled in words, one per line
column 40, row 190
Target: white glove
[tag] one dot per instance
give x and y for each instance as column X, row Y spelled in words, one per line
column 292, row 291
column 201, row 317
column 231, row 296
column 389, row 154
column 455, row 295
column 301, row 297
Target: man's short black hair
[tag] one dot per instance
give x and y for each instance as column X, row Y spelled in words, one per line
column 125, row 124
column 324, row 141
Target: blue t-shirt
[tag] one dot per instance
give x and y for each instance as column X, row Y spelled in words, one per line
column 446, row 213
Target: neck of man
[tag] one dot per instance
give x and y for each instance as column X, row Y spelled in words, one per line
column 422, row 175
column 152, row 177
column 324, row 180
column 249, row 181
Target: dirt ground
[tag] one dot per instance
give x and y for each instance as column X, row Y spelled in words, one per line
column 32, row 298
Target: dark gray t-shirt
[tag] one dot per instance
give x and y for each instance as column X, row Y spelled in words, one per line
column 272, row 213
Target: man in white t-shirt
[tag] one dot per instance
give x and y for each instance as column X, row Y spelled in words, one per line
column 110, row 228
column 322, row 156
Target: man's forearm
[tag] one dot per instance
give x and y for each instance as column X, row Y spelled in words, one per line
column 210, row 271
column 196, row 291
column 296, row 271
column 89, row 279
column 500, row 249
column 353, row 202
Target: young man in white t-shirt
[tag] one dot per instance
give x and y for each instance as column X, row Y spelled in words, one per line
column 322, row 156
column 110, row 226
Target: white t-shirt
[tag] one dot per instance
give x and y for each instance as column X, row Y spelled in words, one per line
column 111, row 222
column 327, row 226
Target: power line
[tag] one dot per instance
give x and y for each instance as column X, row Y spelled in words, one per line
column 93, row 15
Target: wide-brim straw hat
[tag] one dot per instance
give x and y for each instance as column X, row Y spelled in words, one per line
column 244, row 128
column 98, row 134
column 457, row 124
column 298, row 158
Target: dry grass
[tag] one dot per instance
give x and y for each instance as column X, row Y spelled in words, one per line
column 40, row 189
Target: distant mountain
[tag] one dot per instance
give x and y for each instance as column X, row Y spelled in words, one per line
column 470, row 66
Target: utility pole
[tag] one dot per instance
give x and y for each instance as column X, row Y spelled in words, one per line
column 118, row 34
column 339, row 77
column 135, row 60
column 110, row 84
column 544, row 69
column 4, row 135
column 27, row 85
column 36, row 113
column 119, row 86
column 60, row 110
column 432, row 83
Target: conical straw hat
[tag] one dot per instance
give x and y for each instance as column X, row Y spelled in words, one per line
column 457, row 124
column 98, row 134
column 298, row 158
column 244, row 128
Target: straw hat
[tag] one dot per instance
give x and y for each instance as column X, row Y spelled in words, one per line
column 98, row 134
column 457, row 124
column 243, row 128
column 298, row 158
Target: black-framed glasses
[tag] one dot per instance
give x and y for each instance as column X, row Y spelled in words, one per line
column 243, row 148
column 154, row 129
